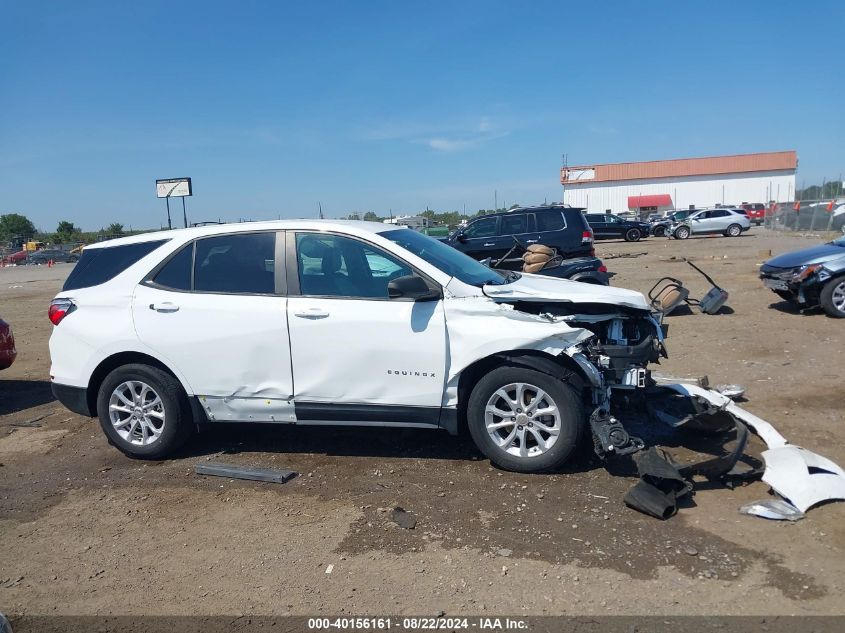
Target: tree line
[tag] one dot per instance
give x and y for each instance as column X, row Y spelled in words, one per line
column 17, row 229
column 444, row 218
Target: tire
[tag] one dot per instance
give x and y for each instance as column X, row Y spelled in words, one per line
column 569, row 421
column 659, row 231
column 633, row 235
column 682, row 233
column 734, row 230
column 134, row 436
column 832, row 298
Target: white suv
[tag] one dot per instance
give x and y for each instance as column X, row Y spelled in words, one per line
column 342, row 323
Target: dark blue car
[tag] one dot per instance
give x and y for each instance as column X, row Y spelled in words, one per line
column 810, row 277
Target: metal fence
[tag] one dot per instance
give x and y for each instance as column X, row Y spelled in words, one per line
column 807, row 215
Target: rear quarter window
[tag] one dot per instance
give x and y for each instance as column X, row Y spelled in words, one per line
column 99, row 265
column 551, row 221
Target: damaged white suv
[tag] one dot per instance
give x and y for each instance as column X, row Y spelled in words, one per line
column 342, row 323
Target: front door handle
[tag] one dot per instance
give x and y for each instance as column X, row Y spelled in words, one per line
column 166, row 306
column 311, row 313
column 489, row 244
column 531, row 241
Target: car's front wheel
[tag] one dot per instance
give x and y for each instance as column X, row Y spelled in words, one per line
column 144, row 411
column 525, row 420
column 659, row 231
column 734, row 230
column 832, row 298
column 633, row 235
column 682, row 233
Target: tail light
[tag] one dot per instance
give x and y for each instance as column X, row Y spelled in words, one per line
column 602, row 268
column 59, row 309
column 586, row 237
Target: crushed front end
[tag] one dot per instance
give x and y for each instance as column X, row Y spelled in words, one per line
column 615, row 360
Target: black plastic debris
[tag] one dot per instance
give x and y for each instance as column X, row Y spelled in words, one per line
column 660, row 485
column 271, row 475
column 662, row 482
column 403, row 518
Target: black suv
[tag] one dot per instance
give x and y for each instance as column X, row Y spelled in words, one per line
column 560, row 227
column 608, row 226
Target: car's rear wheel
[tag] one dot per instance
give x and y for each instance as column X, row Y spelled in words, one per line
column 144, row 411
column 633, row 235
column 525, row 420
column 682, row 233
column 832, row 298
column 734, row 230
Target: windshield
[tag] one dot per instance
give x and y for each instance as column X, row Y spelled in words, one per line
column 452, row 262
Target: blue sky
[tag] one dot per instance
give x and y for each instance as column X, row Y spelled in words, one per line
column 272, row 107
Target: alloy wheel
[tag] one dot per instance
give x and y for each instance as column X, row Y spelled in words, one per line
column 522, row 419
column 837, row 297
column 137, row 412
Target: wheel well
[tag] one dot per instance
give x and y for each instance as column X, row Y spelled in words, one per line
column 113, row 362
column 562, row 367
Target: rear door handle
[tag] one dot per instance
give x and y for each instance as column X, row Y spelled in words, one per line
column 531, row 241
column 311, row 313
column 489, row 244
column 164, row 307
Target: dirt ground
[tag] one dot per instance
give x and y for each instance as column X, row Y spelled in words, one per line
column 85, row 530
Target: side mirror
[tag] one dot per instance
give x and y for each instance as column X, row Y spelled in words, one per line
column 411, row 287
column 461, row 238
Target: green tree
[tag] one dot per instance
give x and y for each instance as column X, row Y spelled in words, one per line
column 370, row 216
column 14, row 226
column 115, row 228
column 67, row 232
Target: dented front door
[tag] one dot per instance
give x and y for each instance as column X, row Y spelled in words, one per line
column 355, row 351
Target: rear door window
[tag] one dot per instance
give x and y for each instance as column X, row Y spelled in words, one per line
column 176, row 273
column 240, row 263
column 551, row 221
column 99, row 265
column 514, row 224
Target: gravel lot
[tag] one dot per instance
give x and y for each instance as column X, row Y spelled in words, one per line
column 84, row 530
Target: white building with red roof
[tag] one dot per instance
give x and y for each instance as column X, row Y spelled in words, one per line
column 663, row 185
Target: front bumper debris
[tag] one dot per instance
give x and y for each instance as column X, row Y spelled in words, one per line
column 798, row 475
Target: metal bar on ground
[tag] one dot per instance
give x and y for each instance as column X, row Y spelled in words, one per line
column 272, row 475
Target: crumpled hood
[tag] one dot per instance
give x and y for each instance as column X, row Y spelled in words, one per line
column 541, row 288
column 813, row 255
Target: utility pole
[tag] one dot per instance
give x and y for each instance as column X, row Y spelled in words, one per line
column 495, row 200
